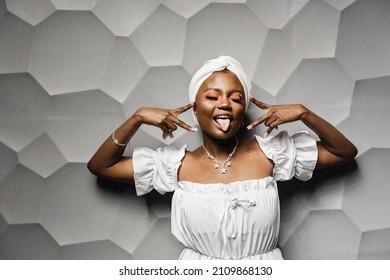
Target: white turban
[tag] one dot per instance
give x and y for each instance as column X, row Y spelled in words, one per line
column 215, row 65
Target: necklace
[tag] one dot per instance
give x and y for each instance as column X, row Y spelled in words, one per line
column 226, row 163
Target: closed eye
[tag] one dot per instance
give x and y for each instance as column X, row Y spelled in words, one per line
column 212, row 95
column 236, row 97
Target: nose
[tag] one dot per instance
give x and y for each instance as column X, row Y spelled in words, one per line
column 224, row 103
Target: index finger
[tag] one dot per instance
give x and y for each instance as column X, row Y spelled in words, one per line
column 185, row 108
column 184, row 125
column 259, row 104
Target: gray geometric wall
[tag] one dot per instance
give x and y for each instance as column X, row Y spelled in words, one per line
column 72, row 71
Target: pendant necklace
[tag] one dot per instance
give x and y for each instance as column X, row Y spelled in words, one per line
column 222, row 166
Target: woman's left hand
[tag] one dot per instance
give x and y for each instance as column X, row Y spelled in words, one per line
column 274, row 115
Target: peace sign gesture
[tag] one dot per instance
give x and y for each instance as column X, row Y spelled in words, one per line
column 274, row 115
column 166, row 119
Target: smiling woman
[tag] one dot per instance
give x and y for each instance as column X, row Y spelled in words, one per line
column 229, row 180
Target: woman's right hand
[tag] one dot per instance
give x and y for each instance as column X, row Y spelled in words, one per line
column 166, row 119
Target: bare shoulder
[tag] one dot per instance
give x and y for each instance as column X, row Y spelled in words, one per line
column 251, row 150
column 253, row 161
column 250, row 145
column 191, row 165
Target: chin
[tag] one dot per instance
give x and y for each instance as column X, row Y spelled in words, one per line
column 219, row 134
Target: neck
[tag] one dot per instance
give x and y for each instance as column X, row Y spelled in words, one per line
column 219, row 148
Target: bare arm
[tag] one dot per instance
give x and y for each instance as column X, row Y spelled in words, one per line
column 334, row 148
column 109, row 162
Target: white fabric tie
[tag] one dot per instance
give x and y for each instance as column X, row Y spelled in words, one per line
column 228, row 225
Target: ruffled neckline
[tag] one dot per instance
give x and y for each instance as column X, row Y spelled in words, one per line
column 227, row 188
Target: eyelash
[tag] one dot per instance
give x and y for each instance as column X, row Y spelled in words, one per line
column 238, row 98
column 215, row 97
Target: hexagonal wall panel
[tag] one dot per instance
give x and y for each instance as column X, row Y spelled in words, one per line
column 28, row 242
column 339, row 4
column 75, row 209
column 8, row 161
column 32, row 12
column 276, row 13
column 95, row 250
column 164, row 29
column 159, row 241
column 364, row 37
column 3, row 8
column 318, row 237
column 3, row 224
column 313, row 31
column 79, row 122
column 366, row 195
column 23, row 110
column 375, row 245
column 74, row 4
column 15, row 47
column 323, row 192
column 70, row 52
column 121, row 76
column 277, row 62
column 21, row 196
column 207, row 37
column 185, row 8
column 321, row 85
column 123, row 16
column 133, row 219
column 42, row 156
column 369, row 112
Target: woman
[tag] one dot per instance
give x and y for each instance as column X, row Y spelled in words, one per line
column 225, row 204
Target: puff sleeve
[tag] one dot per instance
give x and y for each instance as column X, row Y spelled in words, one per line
column 156, row 169
column 292, row 156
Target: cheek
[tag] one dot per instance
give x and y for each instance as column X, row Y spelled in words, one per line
column 239, row 108
column 240, row 114
column 203, row 107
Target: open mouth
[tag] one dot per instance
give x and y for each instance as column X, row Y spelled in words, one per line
column 223, row 121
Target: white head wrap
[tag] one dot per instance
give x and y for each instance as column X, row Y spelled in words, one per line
column 219, row 64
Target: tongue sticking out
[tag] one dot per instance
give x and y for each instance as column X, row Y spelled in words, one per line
column 224, row 123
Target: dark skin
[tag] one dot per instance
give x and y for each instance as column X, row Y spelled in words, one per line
column 220, row 94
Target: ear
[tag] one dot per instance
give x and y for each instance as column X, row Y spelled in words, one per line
column 194, row 114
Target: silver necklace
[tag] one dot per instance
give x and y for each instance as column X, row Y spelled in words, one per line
column 222, row 166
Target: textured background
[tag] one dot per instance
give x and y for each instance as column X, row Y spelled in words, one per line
column 71, row 71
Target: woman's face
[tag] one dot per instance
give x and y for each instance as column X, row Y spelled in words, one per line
column 220, row 105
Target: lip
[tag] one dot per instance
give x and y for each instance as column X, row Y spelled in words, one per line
column 226, row 116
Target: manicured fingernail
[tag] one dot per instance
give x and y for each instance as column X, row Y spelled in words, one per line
column 194, row 129
column 266, row 134
column 249, row 127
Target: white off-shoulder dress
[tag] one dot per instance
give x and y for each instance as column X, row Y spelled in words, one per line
column 238, row 220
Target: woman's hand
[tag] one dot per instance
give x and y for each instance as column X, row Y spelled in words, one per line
column 274, row 115
column 334, row 148
column 166, row 119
